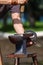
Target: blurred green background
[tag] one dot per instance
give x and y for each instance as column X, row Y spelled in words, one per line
column 32, row 19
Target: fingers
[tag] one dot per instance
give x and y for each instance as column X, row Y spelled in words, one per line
column 21, row 1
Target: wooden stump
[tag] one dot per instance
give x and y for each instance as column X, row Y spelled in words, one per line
column 18, row 56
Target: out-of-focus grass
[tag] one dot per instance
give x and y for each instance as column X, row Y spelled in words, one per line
column 38, row 26
column 25, row 63
column 40, row 62
column 9, row 28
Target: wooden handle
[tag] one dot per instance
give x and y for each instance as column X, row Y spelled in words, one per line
column 1, row 62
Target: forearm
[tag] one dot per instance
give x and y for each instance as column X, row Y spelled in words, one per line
column 5, row 2
column 8, row 2
column 18, row 26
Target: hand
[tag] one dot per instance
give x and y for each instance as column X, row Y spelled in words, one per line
column 22, row 1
